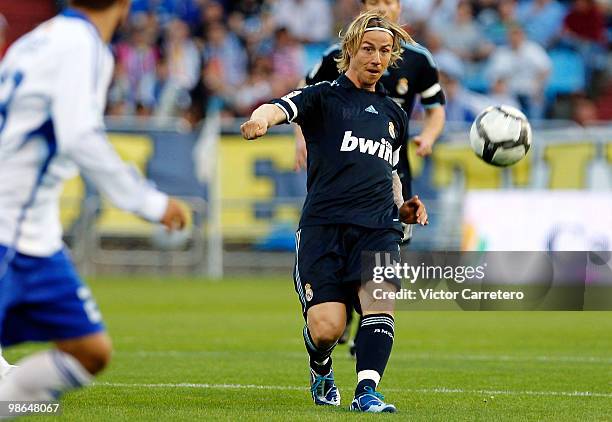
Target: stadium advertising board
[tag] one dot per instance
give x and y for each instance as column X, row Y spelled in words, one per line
column 537, row 221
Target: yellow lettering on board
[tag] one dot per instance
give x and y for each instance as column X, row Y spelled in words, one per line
column 568, row 164
column 449, row 159
column 136, row 150
column 240, row 187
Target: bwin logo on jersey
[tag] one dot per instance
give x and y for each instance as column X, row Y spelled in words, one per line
column 382, row 149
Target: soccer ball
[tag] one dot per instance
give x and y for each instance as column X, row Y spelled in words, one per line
column 500, row 135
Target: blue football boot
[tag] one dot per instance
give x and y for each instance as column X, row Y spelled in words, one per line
column 371, row 402
column 323, row 389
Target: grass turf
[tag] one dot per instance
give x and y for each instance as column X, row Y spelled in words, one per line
column 194, row 349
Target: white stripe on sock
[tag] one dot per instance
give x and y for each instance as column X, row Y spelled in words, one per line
column 368, row 374
column 388, row 320
column 390, row 324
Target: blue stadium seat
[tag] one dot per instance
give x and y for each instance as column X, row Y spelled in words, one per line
column 568, row 73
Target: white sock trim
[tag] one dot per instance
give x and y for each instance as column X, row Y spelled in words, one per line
column 322, row 363
column 368, row 374
column 71, row 369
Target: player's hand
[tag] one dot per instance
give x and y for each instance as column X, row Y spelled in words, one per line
column 254, row 128
column 300, row 154
column 424, row 146
column 175, row 217
column 413, row 211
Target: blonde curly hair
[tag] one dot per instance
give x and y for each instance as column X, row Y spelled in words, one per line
column 351, row 40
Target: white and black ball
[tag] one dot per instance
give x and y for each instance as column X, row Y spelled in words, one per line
column 501, row 135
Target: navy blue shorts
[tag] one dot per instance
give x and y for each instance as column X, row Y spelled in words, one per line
column 43, row 299
column 328, row 261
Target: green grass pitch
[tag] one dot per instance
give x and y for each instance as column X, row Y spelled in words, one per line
column 232, row 350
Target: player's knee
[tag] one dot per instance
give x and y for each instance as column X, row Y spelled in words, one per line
column 93, row 353
column 325, row 331
column 96, row 359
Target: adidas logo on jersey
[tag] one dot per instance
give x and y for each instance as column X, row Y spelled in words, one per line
column 371, row 109
column 382, row 149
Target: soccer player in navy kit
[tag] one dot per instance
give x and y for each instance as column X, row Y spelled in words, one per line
column 353, row 133
column 416, row 74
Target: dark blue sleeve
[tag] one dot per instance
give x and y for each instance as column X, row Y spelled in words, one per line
column 303, row 104
column 428, row 83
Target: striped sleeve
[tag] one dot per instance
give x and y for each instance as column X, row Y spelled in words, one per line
column 303, row 104
column 428, row 83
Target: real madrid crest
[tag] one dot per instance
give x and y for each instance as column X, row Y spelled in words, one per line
column 402, row 86
column 309, row 292
column 391, row 130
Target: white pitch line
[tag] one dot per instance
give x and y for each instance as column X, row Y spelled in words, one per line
column 441, row 390
column 400, row 355
column 507, row 358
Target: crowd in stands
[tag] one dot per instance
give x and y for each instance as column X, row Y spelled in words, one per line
column 186, row 57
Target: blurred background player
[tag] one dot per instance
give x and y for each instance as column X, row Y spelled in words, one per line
column 53, row 84
column 354, row 203
column 415, row 74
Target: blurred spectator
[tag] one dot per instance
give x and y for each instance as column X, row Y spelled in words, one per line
column 499, row 93
column 118, row 93
column 310, row 21
column 484, row 7
column 137, row 61
column 584, row 29
column 255, row 91
column 585, row 22
column 287, row 60
column 224, row 58
column 441, row 54
column 182, row 62
column 344, row 13
column 495, row 25
column 252, row 23
column 542, row 20
column 462, row 35
column 526, row 66
column 584, row 111
column 3, row 30
column 212, row 13
column 421, row 15
column 462, row 105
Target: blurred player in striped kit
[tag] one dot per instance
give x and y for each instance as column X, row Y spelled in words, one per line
column 53, row 85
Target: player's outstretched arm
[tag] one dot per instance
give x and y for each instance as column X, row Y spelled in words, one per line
column 264, row 117
column 433, row 123
column 413, row 211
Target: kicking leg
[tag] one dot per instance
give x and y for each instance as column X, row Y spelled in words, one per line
column 373, row 347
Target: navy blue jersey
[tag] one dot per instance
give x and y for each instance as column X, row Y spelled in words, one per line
column 353, row 138
column 415, row 74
